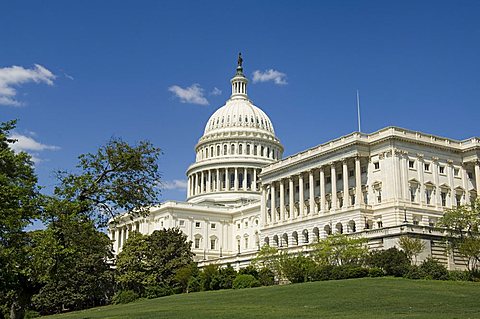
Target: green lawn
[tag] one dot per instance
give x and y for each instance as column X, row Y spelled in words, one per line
column 355, row 298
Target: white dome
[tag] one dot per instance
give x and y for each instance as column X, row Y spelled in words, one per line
column 239, row 114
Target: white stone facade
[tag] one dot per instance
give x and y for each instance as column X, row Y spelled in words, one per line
column 241, row 193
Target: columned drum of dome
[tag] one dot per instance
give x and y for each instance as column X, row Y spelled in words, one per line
column 238, row 141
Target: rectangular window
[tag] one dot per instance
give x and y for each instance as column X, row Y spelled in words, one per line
column 328, row 180
column 181, row 222
column 317, row 183
column 427, row 167
column 444, row 198
column 441, row 169
column 456, row 172
column 470, row 175
column 197, row 243
column 339, row 176
column 213, row 226
column 379, row 196
column 238, row 226
column 363, row 169
column 246, row 243
column 458, row 197
column 212, row 244
column 197, row 224
column 351, row 173
column 411, row 164
column 246, row 224
column 412, row 194
column 428, row 195
column 376, row 165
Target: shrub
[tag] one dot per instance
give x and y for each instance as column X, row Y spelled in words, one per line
column 249, row 270
column 458, row 275
column 433, row 269
column 375, row 272
column 124, row 296
column 157, row 291
column 393, row 261
column 414, row 272
column 321, row 272
column 296, row 269
column 347, row 272
column 245, row 281
column 266, row 277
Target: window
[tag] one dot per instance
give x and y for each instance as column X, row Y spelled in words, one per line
column 246, row 242
column 427, row 167
column 380, row 224
column 197, row 224
column 441, row 169
column 317, row 183
column 246, row 224
column 411, row 164
column 351, row 173
column 182, row 223
column 456, row 171
column 238, row 226
column 197, row 243
column 213, row 226
column 240, row 149
column 428, row 195
column 339, row 176
column 328, row 179
column 416, row 222
column 363, row 169
column 458, row 197
column 212, row 243
column 376, row 165
column 412, row 194
column 470, row 175
column 379, row 196
column 444, row 198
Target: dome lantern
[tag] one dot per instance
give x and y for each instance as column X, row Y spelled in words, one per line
column 239, row 81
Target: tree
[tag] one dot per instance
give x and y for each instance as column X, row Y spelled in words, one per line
column 296, row 268
column 268, row 258
column 411, row 246
column 153, row 260
column 71, row 259
column 19, row 205
column 117, row 178
column 463, row 224
column 339, row 250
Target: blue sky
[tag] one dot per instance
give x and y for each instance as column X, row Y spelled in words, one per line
column 105, row 69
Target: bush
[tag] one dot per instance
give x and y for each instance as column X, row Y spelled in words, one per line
column 347, row 272
column 375, row 272
column 266, row 277
column 434, row 270
column 157, row 291
column 458, row 275
column 297, row 269
column 393, row 261
column 321, row 272
column 245, row 281
column 124, row 296
column 414, row 272
column 249, row 270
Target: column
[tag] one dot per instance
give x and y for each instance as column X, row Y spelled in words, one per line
column 209, row 181
column 244, row 184
column 453, row 196
column 119, row 239
column 197, row 183
column 345, row 184
column 235, row 181
column 301, row 198
column 263, row 210
column 322, row 189
column 282, row 201
column 254, row 180
column 438, row 190
column 358, row 182
column 227, row 179
column 465, row 184
column 404, row 168
column 272, row 203
column 202, row 183
column 477, row 177
column 291, row 199
column 217, row 186
column 311, row 194
column 188, row 186
column 334, row 185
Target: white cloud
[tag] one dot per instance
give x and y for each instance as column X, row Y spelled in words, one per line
column 175, row 184
column 277, row 77
column 31, row 146
column 192, row 94
column 13, row 76
column 216, row 91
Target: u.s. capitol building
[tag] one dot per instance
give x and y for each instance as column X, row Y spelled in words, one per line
column 243, row 194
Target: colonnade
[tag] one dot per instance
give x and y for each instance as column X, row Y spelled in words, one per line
column 302, row 199
column 238, row 148
column 223, row 179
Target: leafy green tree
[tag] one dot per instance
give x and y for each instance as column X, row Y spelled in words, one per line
column 296, row 268
column 393, row 261
column 19, row 205
column 153, row 260
column 463, row 225
column 118, row 178
column 268, row 258
column 71, row 260
column 412, row 246
column 340, row 249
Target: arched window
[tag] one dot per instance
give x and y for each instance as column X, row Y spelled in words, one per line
column 211, row 151
column 240, row 149
column 218, row 150
column 255, row 150
column 248, row 149
column 232, row 149
column 225, row 149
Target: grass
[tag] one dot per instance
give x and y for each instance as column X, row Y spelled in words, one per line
column 354, row 298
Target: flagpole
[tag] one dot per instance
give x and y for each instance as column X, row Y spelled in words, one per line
column 358, row 111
